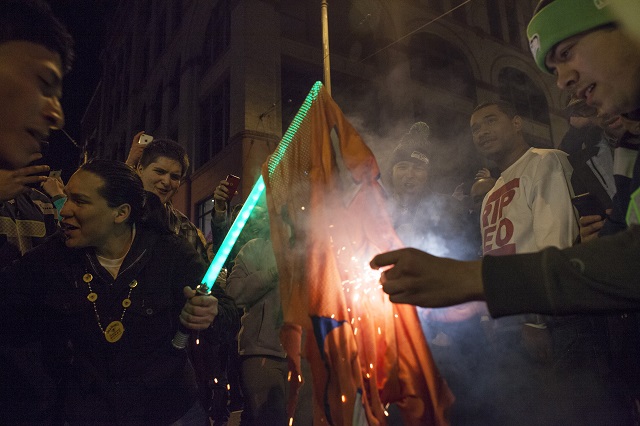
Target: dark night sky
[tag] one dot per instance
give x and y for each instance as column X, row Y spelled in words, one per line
column 85, row 20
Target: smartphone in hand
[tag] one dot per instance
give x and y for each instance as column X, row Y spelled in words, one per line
column 234, row 183
column 145, row 139
column 588, row 204
column 56, row 174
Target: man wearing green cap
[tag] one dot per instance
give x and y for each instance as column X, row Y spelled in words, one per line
column 580, row 43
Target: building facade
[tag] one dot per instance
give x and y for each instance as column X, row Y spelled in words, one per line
column 225, row 78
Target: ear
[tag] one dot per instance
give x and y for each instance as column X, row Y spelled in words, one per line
column 122, row 213
column 517, row 122
column 139, row 168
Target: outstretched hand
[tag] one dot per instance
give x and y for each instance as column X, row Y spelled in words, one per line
column 418, row 278
column 199, row 311
column 15, row 182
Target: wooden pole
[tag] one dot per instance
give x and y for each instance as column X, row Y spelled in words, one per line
column 325, row 47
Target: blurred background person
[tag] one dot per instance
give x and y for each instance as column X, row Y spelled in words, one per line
column 253, row 283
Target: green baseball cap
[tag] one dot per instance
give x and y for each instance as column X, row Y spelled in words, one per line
column 562, row 19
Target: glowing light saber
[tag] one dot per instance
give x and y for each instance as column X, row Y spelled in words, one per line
column 182, row 335
column 245, row 212
column 232, row 236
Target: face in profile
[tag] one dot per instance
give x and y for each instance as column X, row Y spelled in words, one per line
column 410, row 177
column 494, row 133
column 162, row 177
column 87, row 219
column 601, row 67
column 30, row 90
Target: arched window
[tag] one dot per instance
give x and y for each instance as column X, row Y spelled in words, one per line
column 436, row 62
column 217, row 35
column 518, row 89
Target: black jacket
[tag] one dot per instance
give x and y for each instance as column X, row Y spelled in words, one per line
column 141, row 378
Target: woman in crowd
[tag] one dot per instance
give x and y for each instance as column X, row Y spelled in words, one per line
column 104, row 298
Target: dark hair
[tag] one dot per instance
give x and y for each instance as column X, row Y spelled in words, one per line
column 503, row 106
column 122, row 185
column 33, row 21
column 165, row 148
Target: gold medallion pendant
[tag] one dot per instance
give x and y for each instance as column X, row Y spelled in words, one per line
column 114, row 331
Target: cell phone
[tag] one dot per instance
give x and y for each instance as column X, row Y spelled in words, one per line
column 588, row 204
column 145, row 139
column 234, row 182
column 55, row 174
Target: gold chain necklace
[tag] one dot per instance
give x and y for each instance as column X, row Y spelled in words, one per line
column 115, row 329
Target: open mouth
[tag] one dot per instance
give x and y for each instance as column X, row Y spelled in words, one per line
column 409, row 184
column 66, row 227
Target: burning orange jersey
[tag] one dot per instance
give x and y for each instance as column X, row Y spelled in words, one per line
column 328, row 219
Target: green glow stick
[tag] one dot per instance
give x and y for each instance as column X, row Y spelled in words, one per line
column 232, row 236
column 258, row 188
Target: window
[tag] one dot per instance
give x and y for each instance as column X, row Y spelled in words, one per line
column 143, row 119
column 174, row 89
column 518, row 89
column 217, row 34
column 156, row 109
column 144, row 66
column 513, row 24
column 495, row 20
column 436, row 62
column 126, row 74
column 160, row 35
column 214, row 124
column 176, row 17
column 203, row 219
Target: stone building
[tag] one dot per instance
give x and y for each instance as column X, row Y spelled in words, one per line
column 225, row 78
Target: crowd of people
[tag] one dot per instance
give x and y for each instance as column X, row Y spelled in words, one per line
column 98, row 274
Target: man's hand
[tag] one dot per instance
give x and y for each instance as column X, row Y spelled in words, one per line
column 590, row 226
column 418, row 278
column 14, row 182
column 135, row 153
column 199, row 311
column 221, row 195
column 483, row 173
column 53, row 186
